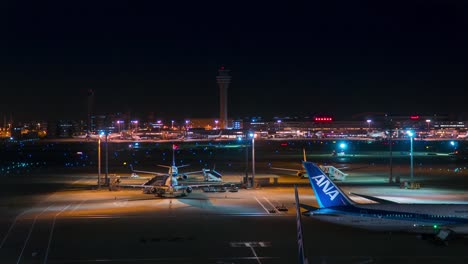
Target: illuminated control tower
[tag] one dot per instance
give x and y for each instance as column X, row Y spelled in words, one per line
column 223, row 79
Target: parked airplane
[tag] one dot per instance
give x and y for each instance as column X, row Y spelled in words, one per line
column 173, row 169
column 441, row 221
column 167, row 184
column 302, row 173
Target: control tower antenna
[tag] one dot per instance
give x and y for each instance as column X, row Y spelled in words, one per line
column 223, row 79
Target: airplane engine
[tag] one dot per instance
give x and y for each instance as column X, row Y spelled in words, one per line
column 300, row 174
column 189, row 189
column 184, row 176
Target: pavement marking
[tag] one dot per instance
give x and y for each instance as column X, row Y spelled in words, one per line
column 266, row 210
column 78, row 205
column 96, row 216
column 11, row 227
column 274, row 207
column 251, row 244
column 30, row 232
column 255, row 255
column 75, row 182
column 52, row 232
column 121, row 203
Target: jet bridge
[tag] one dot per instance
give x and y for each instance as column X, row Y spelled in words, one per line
column 212, row 176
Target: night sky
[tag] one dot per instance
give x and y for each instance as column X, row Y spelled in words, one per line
column 288, row 58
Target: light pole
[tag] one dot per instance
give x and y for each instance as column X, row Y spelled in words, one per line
column 368, row 124
column 119, row 123
column 411, row 134
column 428, row 122
column 279, row 125
column 246, row 178
column 253, row 158
column 99, row 162
column 106, row 179
column 107, row 161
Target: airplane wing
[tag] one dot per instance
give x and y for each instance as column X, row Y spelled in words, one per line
column 375, row 199
column 148, row 172
column 167, row 166
column 191, row 172
column 205, row 184
column 285, row 169
column 136, row 185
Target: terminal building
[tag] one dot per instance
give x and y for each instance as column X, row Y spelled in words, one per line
column 317, row 126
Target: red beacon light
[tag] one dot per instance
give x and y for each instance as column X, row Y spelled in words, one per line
column 414, row 117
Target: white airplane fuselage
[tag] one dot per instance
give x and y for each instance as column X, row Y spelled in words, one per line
column 440, row 220
column 419, row 218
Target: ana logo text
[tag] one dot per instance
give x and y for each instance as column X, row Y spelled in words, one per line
column 326, row 185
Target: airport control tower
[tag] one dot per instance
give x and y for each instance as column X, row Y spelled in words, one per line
column 223, row 79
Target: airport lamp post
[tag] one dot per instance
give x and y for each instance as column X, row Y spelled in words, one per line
column 253, row 158
column 106, row 179
column 368, row 124
column 246, row 178
column 411, row 134
column 99, row 162
column 107, row 161
column 119, row 123
column 428, row 122
column 397, row 179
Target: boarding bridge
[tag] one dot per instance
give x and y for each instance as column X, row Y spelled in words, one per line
column 212, row 175
column 155, row 180
column 334, row 173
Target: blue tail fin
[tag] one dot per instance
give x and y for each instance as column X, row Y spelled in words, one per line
column 326, row 192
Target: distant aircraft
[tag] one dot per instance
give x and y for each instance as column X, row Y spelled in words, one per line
column 302, row 173
column 462, row 136
column 319, row 134
column 215, row 136
column 440, row 221
column 377, row 134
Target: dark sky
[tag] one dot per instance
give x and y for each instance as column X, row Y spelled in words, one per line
column 286, row 58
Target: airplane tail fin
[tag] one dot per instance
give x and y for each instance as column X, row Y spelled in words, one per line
column 300, row 238
column 326, row 192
